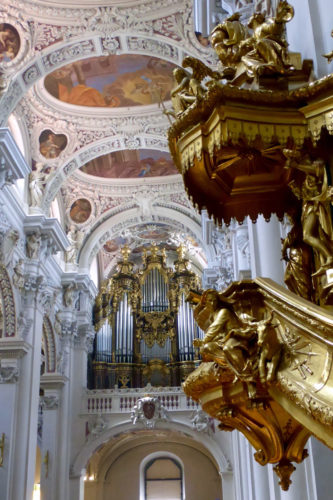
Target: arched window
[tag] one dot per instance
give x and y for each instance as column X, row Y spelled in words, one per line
column 163, row 478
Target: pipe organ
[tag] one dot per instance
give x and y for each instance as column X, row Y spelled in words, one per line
column 144, row 325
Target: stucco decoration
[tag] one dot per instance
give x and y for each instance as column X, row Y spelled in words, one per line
column 49, row 346
column 165, row 31
column 8, row 304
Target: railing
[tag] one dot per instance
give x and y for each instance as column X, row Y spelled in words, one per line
column 123, row 400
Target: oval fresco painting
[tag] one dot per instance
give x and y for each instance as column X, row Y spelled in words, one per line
column 9, row 42
column 50, row 144
column 112, row 81
column 80, row 210
column 131, row 163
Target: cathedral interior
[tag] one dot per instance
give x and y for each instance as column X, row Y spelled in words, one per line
column 166, row 250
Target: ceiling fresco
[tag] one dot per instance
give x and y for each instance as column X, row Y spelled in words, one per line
column 140, row 238
column 80, row 210
column 112, row 81
column 51, row 144
column 131, row 163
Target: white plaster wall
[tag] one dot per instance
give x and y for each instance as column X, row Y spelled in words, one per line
column 122, row 481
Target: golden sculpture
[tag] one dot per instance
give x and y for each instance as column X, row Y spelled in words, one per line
column 265, row 371
column 299, row 266
column 239, row 341
column 251, row 56
column 315, row 195
column 329, row 56
column 243, row 149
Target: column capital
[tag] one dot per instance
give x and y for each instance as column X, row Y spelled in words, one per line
column 50, row 402
column 52, row 381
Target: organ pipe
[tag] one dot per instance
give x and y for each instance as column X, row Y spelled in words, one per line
column 151, row 305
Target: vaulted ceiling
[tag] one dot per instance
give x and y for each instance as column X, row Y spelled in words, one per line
column 87, row 85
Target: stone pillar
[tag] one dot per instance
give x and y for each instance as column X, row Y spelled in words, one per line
column 228, row 490
column 28, row 387
column 10, row 352
column 76, row 487
column 265, row 249
column 76, row 333
column 241, row 257
column 78, row 386
column 52, row 436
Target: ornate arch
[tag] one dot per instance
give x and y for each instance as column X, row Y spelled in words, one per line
column 102, row 147
column 8, row 304
column 49, row 346
column 93, row 444
column 111, row 223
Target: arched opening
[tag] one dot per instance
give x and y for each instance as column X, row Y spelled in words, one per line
column 117, row 469
column 163, row 479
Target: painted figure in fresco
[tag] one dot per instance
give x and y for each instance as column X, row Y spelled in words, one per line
column 80, row 211
column 131, row 163
column 51, row 144
column 60, row 84
column 132, row 80
column 315, row 195
column 9, row 42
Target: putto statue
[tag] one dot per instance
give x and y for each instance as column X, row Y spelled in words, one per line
column 250, row 348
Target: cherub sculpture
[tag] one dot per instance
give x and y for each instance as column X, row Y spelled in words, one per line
column 249, row 347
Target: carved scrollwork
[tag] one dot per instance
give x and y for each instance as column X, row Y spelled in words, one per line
column 50, row 402
column 8, row 375
column 155, row 327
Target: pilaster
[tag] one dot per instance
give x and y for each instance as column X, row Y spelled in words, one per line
column 52, row 448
